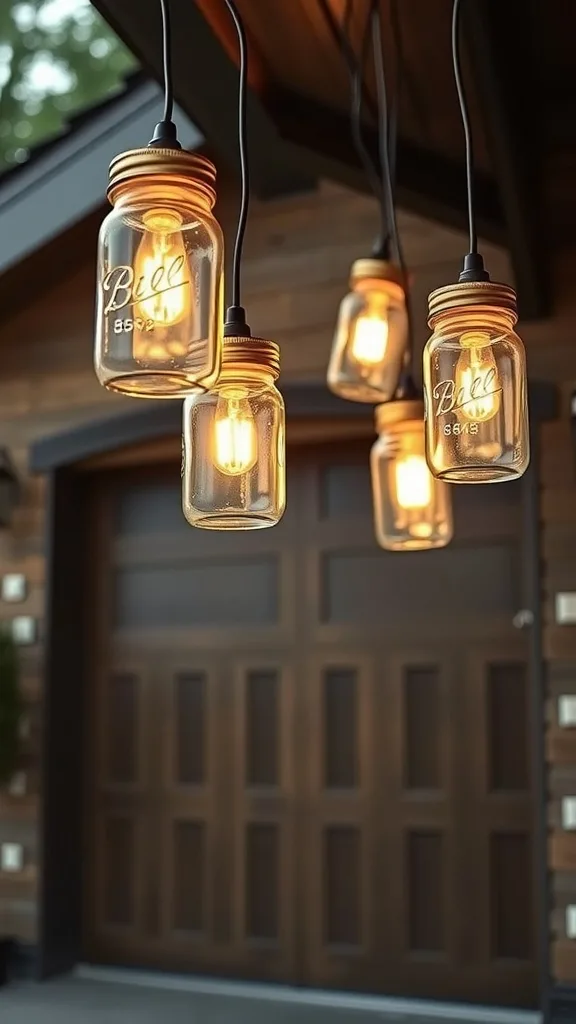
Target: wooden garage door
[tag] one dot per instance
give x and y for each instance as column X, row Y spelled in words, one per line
column 309, row 759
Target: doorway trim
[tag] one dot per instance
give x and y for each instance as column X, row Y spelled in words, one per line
column 67, row 459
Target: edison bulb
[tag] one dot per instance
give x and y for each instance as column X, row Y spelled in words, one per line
column 161, row 274
column 413, row 482
column 477, row 381
column 235, row 437
column 370, row 339
column 412, row 510
column 371, row 334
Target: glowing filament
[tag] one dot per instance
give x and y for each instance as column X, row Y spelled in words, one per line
column 413, row 482
column 477, row 383
column 235, row 442
column 370, row 339
column 162, row 287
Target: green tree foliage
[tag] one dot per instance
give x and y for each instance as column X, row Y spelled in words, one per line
column 10, row 707
column 57, row 57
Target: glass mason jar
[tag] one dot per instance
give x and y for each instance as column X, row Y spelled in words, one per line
column 234, row 465
column 371, row 334
column 412, row 510
column 475, row 385
column 160, row 265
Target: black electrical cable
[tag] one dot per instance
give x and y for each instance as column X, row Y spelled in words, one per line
column 404, row 70
column 165, row 134
column 167, row 63
column 371, row 171
column 400, row 72
column 359, row 96
column 381, row 185
column 383, row 126
column 473, row 268
column 387, row 142
column 465, row 124
column 235, row 316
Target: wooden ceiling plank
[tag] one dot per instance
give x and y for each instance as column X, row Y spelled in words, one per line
column 427, row 183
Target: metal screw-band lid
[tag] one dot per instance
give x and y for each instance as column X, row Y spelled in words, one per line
column 398, row 411
column 375, row 269
column 467, row 294
column 177, row 164
column 250, row 353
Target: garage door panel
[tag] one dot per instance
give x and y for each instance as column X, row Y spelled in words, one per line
column 247, row 601
column 263, row 825
column 340, row 893
column 199, row 595
column 314, row 753
column 365, row 585
column 339, row 698
column 150, row 511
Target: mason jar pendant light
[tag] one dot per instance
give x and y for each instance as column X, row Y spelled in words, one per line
column 474, row 364
column 160, row 266
column 234, row 465
column 371, row 334
column 370, row 339
column 412, row 510
column 234, row 460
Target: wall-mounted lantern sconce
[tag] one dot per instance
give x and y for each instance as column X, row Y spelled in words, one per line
column 9, row 488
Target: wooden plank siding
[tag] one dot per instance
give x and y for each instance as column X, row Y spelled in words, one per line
column 298, row 255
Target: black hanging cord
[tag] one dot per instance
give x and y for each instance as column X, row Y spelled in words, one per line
column 165, row 133
column 360, row 96
column 404, row 69
column 400, row 73
column 166, row 61
column 387, row 139
column 473, row 269
column 383, row 126
column 382, row 244
column 235, row 322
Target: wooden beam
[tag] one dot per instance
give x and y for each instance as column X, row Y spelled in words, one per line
column 503, row 58
column 427, row 183
column 205, row 76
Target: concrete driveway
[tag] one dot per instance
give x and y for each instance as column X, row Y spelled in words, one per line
column 82, row 1000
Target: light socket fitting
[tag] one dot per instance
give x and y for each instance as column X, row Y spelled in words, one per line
column 399, row 411
column 467, row 294
column 240, row 353
column 379, row 270
column 176, row 166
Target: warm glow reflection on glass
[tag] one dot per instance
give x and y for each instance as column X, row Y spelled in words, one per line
column 477, row 378
column 412, row 510
column 233, row 471
column 159, row 282
column 370, row 339
column 160, row 270
column 371, row 334
column 475, row 382
column 413, row 482
column 235, row 441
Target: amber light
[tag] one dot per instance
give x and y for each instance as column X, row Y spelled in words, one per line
column 235, row 443
column 159, row 306
column 371, row 334
column 234, row 466
column 412, row 510
column 475, row 385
